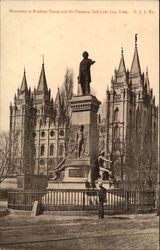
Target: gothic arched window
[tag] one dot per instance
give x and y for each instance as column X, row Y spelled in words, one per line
column 42, row 150
column 34, row 134
column 51, row 149
column 116, row 115
column 61, row 132
column 43, row 134
column 52, row 133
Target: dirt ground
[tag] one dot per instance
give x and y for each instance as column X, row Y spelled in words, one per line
column 118, row 232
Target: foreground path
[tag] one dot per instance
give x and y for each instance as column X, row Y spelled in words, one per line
column 49, row 232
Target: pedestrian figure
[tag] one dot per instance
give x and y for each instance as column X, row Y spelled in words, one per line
column 102, row 199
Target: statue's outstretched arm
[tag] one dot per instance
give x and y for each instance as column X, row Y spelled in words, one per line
column 106, row 160
column 92, row 62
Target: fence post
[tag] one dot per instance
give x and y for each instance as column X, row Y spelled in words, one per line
column 128, row 203
column 8, row 199
column 83, row 205
column 154, row 199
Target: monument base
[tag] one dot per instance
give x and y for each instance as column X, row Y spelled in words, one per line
column 78, row 185
column 79, row 170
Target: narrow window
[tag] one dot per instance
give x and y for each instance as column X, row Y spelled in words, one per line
column 51, row 149
column 116, row 115
column 42, row 150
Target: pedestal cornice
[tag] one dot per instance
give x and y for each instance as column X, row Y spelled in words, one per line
column 84, row 103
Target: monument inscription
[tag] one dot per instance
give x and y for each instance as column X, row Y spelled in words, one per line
column 76, row 173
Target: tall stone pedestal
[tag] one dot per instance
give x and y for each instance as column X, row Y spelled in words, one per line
column 80, row 162
column 31, row 181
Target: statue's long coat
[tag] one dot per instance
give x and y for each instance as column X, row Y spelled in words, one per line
column 84, row 71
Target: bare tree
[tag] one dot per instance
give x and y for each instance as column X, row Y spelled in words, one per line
column 63, row 112
column 4, row 155
column 5, row 149
column 144, row 155
column 66, row 95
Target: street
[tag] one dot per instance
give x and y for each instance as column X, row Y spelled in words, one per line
column 115, row 232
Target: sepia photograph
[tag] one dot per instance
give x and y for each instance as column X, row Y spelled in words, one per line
column 79, row 125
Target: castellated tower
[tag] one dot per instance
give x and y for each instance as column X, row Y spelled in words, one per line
column 20, row 118
column 36, row 121
column 132, row 125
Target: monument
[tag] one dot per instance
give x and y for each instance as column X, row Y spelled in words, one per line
column 83, row 143
column 83, row 147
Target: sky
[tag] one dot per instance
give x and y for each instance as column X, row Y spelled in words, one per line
column 62, row 30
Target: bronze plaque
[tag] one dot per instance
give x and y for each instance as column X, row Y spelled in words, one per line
column 75, row 173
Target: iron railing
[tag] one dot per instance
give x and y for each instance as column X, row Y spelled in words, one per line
column 59, row 199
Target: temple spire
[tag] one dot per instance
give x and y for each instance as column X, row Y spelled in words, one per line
column 24, row 86
column 42, row 85
column 122, row 67
column 58, row 98
column 147, row 79
column 58, row 105
column 135, row 66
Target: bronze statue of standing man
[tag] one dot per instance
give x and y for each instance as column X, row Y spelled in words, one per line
column 84, row 77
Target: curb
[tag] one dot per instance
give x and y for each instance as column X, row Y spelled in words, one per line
column 80, row 213
column 19, row 212
column 95, row 212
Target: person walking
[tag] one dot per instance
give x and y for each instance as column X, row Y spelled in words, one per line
column 102, row 199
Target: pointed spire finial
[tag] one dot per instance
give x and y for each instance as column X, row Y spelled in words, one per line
column 135, row 66
column 43, row 60
column 42, row 84
column 122, row 49
column 24, row 86
column 147, row 70
column 136, row 40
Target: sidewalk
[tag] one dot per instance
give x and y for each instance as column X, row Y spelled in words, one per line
column 118, row 232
